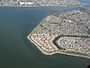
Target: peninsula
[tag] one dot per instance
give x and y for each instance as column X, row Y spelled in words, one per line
column 66, row 33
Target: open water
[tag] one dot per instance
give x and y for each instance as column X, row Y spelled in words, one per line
column 15, row 49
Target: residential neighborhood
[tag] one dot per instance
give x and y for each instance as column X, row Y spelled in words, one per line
column 36, row 3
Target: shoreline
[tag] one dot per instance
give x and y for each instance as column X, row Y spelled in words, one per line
column 39, row 6
column 56, row 52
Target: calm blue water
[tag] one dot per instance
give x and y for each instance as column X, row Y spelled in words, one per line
column 17, row 52
column 86, row 2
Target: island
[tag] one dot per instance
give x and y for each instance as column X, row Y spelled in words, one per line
column 65, row 33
